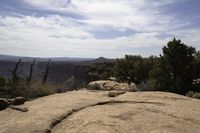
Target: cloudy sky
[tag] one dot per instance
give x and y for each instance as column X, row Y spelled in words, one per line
column 93, row 28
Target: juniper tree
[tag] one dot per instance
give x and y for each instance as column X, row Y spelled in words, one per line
column 175, row 71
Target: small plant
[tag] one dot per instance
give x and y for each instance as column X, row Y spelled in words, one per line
column 37, row 89
column 193, row 94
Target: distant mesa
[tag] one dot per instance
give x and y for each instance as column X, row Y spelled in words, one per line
column 103, row 59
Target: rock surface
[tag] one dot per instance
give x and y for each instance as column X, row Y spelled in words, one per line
column 3, row 104
column 18, row 101
column 108, row 85
column 96, row 112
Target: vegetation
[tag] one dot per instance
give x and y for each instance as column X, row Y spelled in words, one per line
column 99, row 71
column 197, row 64
column 18, row 86
column 21, row 85
column 129, row 69
column 134, row 69
column 37, row 89
column 193, row 94
column 176, row 70
column 2, row 82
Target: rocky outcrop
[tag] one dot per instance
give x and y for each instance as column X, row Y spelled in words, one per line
column 96, row 112
column 18, row 101
column 4, row 103
column 107, row 85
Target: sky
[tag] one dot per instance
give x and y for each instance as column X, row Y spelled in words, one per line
column 95, row 28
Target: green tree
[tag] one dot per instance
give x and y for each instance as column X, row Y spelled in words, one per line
column 148, row 66
column 175, row 70
column 99, row 71
column 131, row 69
column 159, row 77
column 197, row 65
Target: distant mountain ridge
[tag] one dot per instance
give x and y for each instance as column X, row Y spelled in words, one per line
column 57, row 59
column 62, row 67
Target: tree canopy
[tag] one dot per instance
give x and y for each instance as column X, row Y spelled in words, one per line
column 133, row 69
column 175, row 71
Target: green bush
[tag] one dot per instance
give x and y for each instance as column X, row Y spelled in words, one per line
column 193, row 94
column 134, row 68
column 101, row 71
column 150, row 85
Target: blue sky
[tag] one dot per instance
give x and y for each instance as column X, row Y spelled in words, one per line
column 94, row 28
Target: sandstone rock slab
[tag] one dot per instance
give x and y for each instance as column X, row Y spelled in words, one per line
column 94, row 112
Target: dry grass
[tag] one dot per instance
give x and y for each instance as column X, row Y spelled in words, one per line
column 37, row 89
column 193, row 94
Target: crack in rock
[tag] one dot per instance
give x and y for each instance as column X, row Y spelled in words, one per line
column 18, row 108
column 65, row 116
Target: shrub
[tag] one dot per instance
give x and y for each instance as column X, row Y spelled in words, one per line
column 146, row 86
column 69, row 85
column 101, row 71
column 29, row 90
column 134, row 68
column 2, row 82
column 174, row 72
column 193, row 94
column 129, row 69
column 37, row 89
column 94, row 86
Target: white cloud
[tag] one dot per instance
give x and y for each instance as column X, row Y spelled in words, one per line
column 140, row 15
column 54, row 35
column 57, row 36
